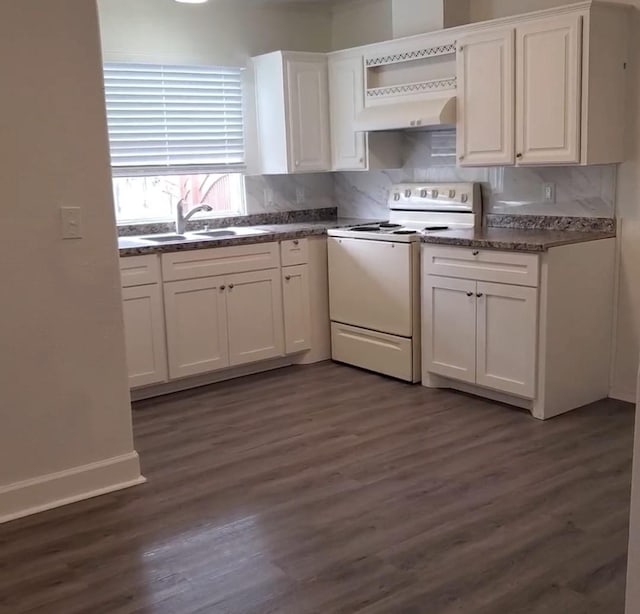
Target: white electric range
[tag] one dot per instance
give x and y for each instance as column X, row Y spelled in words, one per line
column 374, row 276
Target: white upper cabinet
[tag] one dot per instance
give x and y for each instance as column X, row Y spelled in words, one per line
column 346, row 89
column 556, row 96
column 292, row 112
column 485, row 129
column 353, row 150
column 549, row 68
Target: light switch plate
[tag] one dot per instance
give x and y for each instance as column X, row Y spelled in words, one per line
column 71, row 220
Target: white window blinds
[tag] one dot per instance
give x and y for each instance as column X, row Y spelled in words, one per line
column 173, row 119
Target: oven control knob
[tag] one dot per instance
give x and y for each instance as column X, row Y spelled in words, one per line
column 396, row 196
column 452, row 193
column 407, row 193
column 434, row 193
column 464, row 198
column 423, row 193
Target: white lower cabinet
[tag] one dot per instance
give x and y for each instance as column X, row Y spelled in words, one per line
column 192, row 313
column 481, row 333
column 506, row 330
column 144, row 335
column 196, row 320
column 254, row 316
column 224, row 321
column 449, row 325
column 532, row 330
column 297, row 308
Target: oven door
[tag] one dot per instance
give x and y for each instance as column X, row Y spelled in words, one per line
column 372, row 285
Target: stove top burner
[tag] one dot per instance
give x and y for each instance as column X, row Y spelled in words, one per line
column 390, row 225
column 365, row 229
column 405, row 232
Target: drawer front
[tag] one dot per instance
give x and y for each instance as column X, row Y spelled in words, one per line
column 139, row 270
column 372, row 350
column 294, row 252
column 482, row 265
column 219, row 261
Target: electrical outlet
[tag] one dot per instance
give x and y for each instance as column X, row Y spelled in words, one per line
column 549, row 192
column 268, row 196
column 71, row 221
column 300, row 195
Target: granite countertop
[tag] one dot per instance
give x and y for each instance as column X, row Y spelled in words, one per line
column 514, row 239
column 134, row 246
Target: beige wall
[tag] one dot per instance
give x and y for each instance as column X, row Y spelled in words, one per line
column 361, row 22
column 219, row 32
column 64, row 400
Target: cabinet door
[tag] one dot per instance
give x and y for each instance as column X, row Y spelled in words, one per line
column 144, row 334
column 449, row 327
column 196, row 320
column 255, row 321
column 308, row 118
column 507, row 332
column 548, row 81
column 346, row 93
column 486, row 102
column 297, row 308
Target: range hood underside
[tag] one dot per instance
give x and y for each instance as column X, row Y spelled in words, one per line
column 425, row 114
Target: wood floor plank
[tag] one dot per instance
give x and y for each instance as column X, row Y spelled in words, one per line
column 329, row 490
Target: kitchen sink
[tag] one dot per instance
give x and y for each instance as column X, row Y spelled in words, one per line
column 163, row 238
column 239, row 231
column 216, row 233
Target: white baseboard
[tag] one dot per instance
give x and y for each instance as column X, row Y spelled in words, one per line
column 623, row 395
column 56, row 489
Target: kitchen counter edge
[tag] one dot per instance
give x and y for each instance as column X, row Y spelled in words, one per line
column 514, row 239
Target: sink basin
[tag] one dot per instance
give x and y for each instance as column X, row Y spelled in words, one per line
column 216, row 233
column 163, row 238
column 238, row 231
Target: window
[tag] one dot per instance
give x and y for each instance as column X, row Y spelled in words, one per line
column 175, row 133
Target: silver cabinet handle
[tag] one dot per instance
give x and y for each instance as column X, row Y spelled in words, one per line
column 361, row 160
column 475, row 252
column 230, row 286
column 479, row 295
column 461, row 158
column 296, row 242
column 297, row 162
column 288, row 277
column 469, row 293
column 223, row 288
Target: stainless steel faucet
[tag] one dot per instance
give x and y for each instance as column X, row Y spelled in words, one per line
column 182, row 219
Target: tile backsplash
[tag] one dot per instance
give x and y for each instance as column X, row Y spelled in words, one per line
column 587, row 191
column 278, row 193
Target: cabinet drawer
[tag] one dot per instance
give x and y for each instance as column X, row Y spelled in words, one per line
column 372, row 350
column 139, row 270
column 294, row 252
column 481, row 265
column 219, row 261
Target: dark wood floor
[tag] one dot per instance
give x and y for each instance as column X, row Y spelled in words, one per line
column 330, row 490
